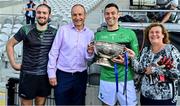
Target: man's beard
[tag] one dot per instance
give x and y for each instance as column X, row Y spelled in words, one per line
column 42, row 24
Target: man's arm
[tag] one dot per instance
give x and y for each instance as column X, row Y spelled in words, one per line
column 53, row 57
column 27, row 9
column 30, row 9
column 166, row 17
column 54, row 54
column 10, row 52
column 168, row 14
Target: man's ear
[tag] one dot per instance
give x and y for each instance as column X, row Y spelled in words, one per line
column 119, row 14
column 49, row 19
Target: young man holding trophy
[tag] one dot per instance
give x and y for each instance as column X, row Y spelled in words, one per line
column 116, row 82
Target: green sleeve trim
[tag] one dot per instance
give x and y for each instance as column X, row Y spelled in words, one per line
column 26, row 29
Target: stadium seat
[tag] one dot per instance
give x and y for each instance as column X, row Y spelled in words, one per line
column 7, row 31
column 63, row 7
column 7, row 25
column 3, row 37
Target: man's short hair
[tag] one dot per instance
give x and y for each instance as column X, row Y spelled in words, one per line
column 45, row 5
column 80, row 6
column 111, row 5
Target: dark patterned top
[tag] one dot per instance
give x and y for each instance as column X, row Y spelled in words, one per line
column 152, row 87
column 36, row 46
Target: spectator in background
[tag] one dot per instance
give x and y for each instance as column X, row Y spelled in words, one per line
column 164, row 17
column 44, row 2
column 37, row 40
column 30, row 12
column 170, row 16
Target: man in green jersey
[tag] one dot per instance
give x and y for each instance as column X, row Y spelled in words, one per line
column 109, row 93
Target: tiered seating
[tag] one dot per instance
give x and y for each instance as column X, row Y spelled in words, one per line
column 3, row 37
column 8, row 27
column 61, row 9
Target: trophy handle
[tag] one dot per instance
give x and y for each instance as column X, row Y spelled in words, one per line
column 104, row 56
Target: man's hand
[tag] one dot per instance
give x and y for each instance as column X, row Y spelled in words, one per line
column 16, row 67
column 53, row 81
column 119, row 59
column 90, row 48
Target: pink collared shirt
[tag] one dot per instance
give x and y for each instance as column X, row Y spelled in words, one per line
column 69, row 50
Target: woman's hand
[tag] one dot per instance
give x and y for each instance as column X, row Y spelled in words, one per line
column 131, row 53
column 167, row 62
column 148, row 70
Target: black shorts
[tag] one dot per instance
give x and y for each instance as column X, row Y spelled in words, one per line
column 31, row 86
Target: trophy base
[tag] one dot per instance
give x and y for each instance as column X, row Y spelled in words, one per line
column 104, row 62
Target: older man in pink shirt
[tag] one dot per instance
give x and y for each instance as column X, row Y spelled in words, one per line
column 67, row 66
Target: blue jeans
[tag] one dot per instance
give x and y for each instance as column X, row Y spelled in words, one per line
column 71, row 88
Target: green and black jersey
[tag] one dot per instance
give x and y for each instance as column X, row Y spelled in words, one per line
column 36, row 46
column 121, row 36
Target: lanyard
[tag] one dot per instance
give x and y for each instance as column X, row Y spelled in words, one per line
column 116, row 75
column 126, row 75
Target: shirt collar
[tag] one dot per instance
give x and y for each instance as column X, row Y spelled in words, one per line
column 73, row 27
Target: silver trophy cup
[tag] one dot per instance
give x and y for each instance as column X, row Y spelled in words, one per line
column 106, row 51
